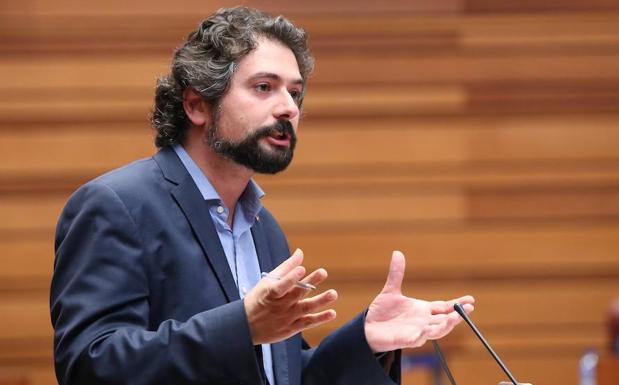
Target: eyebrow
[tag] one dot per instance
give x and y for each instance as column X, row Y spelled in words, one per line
column 275, row 76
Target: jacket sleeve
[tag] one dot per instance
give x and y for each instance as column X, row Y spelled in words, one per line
column 100, row 309
column 345, row 358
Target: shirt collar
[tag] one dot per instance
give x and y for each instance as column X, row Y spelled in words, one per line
column 249, row 199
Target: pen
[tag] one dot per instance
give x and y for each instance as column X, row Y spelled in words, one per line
column 302, row 285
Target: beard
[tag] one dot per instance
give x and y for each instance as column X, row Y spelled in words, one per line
column 250, row 153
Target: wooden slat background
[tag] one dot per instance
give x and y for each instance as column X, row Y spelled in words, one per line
column 480, row 137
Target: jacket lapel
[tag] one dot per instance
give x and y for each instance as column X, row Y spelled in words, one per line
column 278, row 350
column 191, row 202
column 262, row 247
column 196, row 211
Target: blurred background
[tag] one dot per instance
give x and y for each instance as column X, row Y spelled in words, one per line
column 480, row 137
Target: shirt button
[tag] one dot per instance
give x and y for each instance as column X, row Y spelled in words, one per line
column 220, row 209
column 243, row 290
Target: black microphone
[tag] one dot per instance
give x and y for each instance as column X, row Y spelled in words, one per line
column 460, row 310
column 443, row 361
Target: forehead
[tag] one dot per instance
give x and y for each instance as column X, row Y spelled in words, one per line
column 270, row 56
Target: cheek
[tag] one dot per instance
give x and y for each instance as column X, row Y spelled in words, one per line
column 295, row 123
column 232, row 125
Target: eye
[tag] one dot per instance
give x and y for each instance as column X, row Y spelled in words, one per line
column 263, row 87
column 296, row 94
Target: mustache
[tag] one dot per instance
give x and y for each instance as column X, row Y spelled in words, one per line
column 279, row 127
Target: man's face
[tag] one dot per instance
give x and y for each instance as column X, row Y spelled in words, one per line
column 256, row 120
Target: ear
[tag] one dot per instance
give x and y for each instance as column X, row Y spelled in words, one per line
column 197, row 110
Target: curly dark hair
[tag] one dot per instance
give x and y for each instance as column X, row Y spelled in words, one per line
column 208, row 59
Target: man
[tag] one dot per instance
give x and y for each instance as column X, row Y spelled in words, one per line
column 158, row 264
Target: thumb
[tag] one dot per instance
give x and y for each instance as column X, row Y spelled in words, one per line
column 396, row 273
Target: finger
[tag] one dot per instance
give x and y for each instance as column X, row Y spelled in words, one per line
column 285, row 267
column 468, row 308
column 467, row 299
column 438, row 319
column 316, row 277
column 441, row 307
column 282, row 286
column 434, row 332
column 441, row 329
column 313, row 320
column 396, row 273
column 448, row 306
column 310, row 305
column 453, row 318
column 464, row 300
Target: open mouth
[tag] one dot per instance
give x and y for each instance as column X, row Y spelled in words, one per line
column 279, row 138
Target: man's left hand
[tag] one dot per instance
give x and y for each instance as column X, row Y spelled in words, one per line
column 394, row 321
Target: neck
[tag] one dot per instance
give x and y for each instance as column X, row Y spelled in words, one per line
column 227, row 177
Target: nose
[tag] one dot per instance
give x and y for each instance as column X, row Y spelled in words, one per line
column 286, row 107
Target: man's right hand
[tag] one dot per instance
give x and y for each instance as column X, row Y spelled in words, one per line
column 277, row 309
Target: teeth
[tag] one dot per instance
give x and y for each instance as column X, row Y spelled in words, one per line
column 279, row 135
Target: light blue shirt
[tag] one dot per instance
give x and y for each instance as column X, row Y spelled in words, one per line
column 237, row 242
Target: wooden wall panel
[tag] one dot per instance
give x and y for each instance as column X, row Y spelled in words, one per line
column 479, row 137
column 88, row 147
column 474, row 252
column 608, row 370
column 439, row 251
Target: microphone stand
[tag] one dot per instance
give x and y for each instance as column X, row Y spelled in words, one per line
column 460, row 310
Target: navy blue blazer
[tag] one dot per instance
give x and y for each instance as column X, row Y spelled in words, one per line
column 142, row 293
